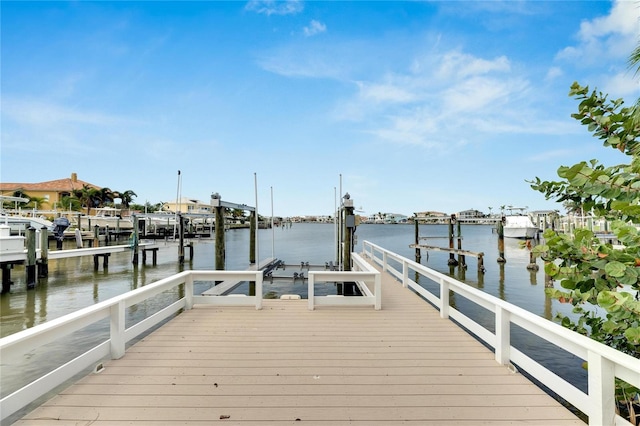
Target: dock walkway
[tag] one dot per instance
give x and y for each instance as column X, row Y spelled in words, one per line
column 285, row 364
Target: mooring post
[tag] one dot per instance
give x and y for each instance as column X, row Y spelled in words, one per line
column 461, row 257
column 134, row 243
column 220, row 251
column 96, row 236
column 349, row 227
column 6, row 278
column 452, row 260
column 79, row 222
column 43, row 265
column 180, row 239
column 253, row 218
column 31, row 257
column 417, row 238
column 500, row 228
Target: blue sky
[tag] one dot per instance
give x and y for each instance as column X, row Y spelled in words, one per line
column 434, row 105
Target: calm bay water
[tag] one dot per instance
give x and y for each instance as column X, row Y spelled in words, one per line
column 73, row 284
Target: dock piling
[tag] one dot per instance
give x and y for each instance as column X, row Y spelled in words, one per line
column 180, row 239
column 452, row 260
column 134, row 243
column 43, row 265
column 220, row 251
column 31, row 257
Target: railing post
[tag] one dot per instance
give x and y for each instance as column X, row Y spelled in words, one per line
column 311, row 283
column 117, row 330
column 377, row 286
column 601, row 384
column 384, row 261
column 444, row 299
column 188, row 291
column 503, row 336
column 258, row 290
column 405, row 273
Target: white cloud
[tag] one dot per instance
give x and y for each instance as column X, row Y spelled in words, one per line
column 447, row 99
column 621, row 85
column 274, row 7
column 610, row 36
column 314, row 27
column 465, row 65
column 553, row 73
column 43, row 114
column 384, row 92
column 623, row 19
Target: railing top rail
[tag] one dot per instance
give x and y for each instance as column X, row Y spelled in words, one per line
column 133, row 295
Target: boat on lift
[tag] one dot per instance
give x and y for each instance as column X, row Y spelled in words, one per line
column 519, row 225
column 20, row 222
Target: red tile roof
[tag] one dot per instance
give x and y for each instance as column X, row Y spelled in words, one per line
column 58, row 185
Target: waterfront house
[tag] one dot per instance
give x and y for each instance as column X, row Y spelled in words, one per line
column 51, row 191
column 470, row 214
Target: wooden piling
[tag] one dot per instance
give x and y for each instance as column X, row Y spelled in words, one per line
column 6, row 278
column 349, row 221
column 134, row 243
column 452, row 260
column 461, row 257
column 253, row 219
column 43, row 265
column 31, row 257
column 417, row 238
column 500, row 229
column 96, row 236
column 181, row 239
column 220, row 251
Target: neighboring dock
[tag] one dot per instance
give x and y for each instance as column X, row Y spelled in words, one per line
column 285, row 364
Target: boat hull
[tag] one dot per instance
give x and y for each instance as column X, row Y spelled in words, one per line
column 519, row 227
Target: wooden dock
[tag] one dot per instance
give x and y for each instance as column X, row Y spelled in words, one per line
column 285, row 364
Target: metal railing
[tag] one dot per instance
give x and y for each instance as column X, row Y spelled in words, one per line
column 605, row 364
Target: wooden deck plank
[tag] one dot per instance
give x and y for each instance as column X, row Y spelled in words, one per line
column 285, row 364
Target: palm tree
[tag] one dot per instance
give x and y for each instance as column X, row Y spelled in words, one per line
column 34, row 202
column 634, row 62
column 70, row 203
column 87, row 196
column 126, row 197
column 105, row 196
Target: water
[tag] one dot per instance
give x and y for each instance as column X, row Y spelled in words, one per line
column 73, row 284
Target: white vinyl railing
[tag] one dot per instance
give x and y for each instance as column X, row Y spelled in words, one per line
column 604, row 363
column 362, row 273
column 19, row 344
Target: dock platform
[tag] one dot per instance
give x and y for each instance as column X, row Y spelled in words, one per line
column 285, row 364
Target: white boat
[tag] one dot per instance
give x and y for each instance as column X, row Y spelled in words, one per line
column 519, row 226
column 18, row 223
column 106, row 216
